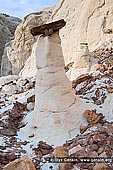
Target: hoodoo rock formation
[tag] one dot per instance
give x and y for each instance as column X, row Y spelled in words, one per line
column 54, row 95
column 55, row 109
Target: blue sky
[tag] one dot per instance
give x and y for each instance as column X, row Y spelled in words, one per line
column 20, row 8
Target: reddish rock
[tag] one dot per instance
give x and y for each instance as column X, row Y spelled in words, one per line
column 68, row 66
column 31, row 99
column 61, row 151
column 92, row 117
column 83, row 129
column 101, row 166
column 19, row 106
column 44, row 145
column 110, row 90
column 20, row 164
column 80, row 79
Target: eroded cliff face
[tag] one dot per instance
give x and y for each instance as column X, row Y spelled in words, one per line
column 19, row 49
column 8, row 25
column 86, row 22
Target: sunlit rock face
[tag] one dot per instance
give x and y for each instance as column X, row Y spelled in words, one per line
column 30, row 64
column 86, row 22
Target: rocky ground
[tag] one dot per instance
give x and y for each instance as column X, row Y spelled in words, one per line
column 16, row 101
column 94, row 140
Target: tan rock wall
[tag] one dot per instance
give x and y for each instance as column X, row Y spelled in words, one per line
column 20, row 48
column 86, row 22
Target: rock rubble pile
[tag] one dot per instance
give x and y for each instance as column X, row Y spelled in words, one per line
column 16, row 94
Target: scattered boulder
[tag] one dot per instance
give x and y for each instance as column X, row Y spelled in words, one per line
column 102, row 166
column 110, row 90
column 19, row 107
column 62, row 152
column 43, row 149
column 13, row 121
column 31, row 99
column 22, row 163
column 92, row 117
column 5, row 158
column 24, row 82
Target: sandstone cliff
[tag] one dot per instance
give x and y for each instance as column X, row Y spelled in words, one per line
column 8, row 25
column 20, row 48
column 86, row 22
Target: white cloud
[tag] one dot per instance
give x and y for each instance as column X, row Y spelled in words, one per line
column 21, row 8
